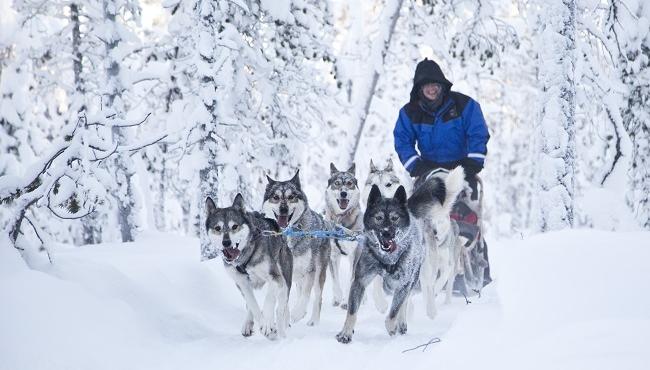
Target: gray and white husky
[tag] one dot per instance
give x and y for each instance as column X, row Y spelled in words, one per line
column 253, row 260
column 396, row 246
column 287, row 204
column 392, row 249
column 387, row 181
column 342, row 207
column 432, row 203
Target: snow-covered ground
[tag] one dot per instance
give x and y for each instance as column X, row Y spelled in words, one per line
column 568, row 300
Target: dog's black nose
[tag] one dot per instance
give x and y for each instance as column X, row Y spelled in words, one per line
column 344, row 194
column 226, row 243
column 386, row 234
column 284, row 209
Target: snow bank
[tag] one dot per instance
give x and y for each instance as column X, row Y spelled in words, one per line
column 566, row 300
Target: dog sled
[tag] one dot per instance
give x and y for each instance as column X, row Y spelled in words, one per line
column 473, row 265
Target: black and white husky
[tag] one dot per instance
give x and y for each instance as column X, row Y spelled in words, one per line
column 253, row 260
column 432, row 203
column 287, row 203
column 387, row 181
column 342, row 207
column 393, row 250
column 395, row 247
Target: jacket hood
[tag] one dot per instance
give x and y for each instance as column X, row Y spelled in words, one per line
column 428, row 71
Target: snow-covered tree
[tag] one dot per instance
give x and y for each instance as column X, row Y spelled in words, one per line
column 627, row 26
column 556, row 129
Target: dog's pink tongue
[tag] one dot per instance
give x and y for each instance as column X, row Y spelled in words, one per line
column 343, row 203
column 283, row 221
column 392, row 246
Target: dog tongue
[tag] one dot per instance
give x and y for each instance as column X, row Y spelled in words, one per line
column 231, row 253
column 283, row 221
column 392, row 246
column 343, row 203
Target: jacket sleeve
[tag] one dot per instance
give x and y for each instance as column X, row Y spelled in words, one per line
column 477, row 133
column 405, row 138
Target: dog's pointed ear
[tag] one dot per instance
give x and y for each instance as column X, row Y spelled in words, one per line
column 372, row 166
column 333, row 169
column 351, row 169
column 296, row 179
column 239, row 202
column 210, row 207
column 270, row 180
column 389, row 165
column 400, row 195
column 375, row 195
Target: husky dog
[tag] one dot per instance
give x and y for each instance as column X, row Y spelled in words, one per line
column 432, row 202
column 253, row 260
column 287, row 204
column 392, row 249
column 387, row 181
column 342, row 208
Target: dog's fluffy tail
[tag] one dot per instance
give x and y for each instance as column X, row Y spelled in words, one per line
column 437, row 195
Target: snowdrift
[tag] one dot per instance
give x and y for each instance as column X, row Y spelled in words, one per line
column 567, row 300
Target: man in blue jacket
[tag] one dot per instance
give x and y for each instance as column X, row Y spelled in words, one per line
column 447, row 126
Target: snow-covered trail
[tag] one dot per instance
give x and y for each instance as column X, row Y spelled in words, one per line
column 153, row 305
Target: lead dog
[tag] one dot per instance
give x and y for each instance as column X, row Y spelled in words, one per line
column 393, row 250
column 252, row 261
column 342, row 207
column 287, row 203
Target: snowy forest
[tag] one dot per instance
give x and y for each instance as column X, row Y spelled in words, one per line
column 119, row 117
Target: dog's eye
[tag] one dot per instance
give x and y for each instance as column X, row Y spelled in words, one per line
column 388, row 185
column 218, row 228
column 337, row 183
column 394, row 218
column 290, row 197
column 234, row 227
column 276, row 197
column 379, row 218
column 349, row 184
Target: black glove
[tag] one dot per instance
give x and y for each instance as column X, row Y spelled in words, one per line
column 419, row 168
column 471, row 168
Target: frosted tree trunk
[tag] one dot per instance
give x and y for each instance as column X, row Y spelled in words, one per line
column 389, row 21
column 122, row 164
column 636, row 120
column 556, row 130
column 91, row 225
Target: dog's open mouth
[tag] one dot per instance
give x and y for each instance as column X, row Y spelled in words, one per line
column 230, row 254
column 283, row 220
column 343, row 203
column 388, row 245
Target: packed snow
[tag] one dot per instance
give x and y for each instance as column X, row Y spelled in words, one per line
column 564, row 300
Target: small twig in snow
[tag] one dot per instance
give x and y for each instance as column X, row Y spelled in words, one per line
column 425, row 345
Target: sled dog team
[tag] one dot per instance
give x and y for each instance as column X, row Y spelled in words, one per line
column 406, row 245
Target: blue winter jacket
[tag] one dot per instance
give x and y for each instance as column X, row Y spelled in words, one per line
column 457, row 130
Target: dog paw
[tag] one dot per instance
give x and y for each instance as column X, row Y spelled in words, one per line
column 391, row 326
column 343, row 337
column 269, row 330
column 344, row 305
column 402, row 328
column 247, row 329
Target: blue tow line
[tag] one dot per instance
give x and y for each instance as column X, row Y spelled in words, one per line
column 337, row 233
